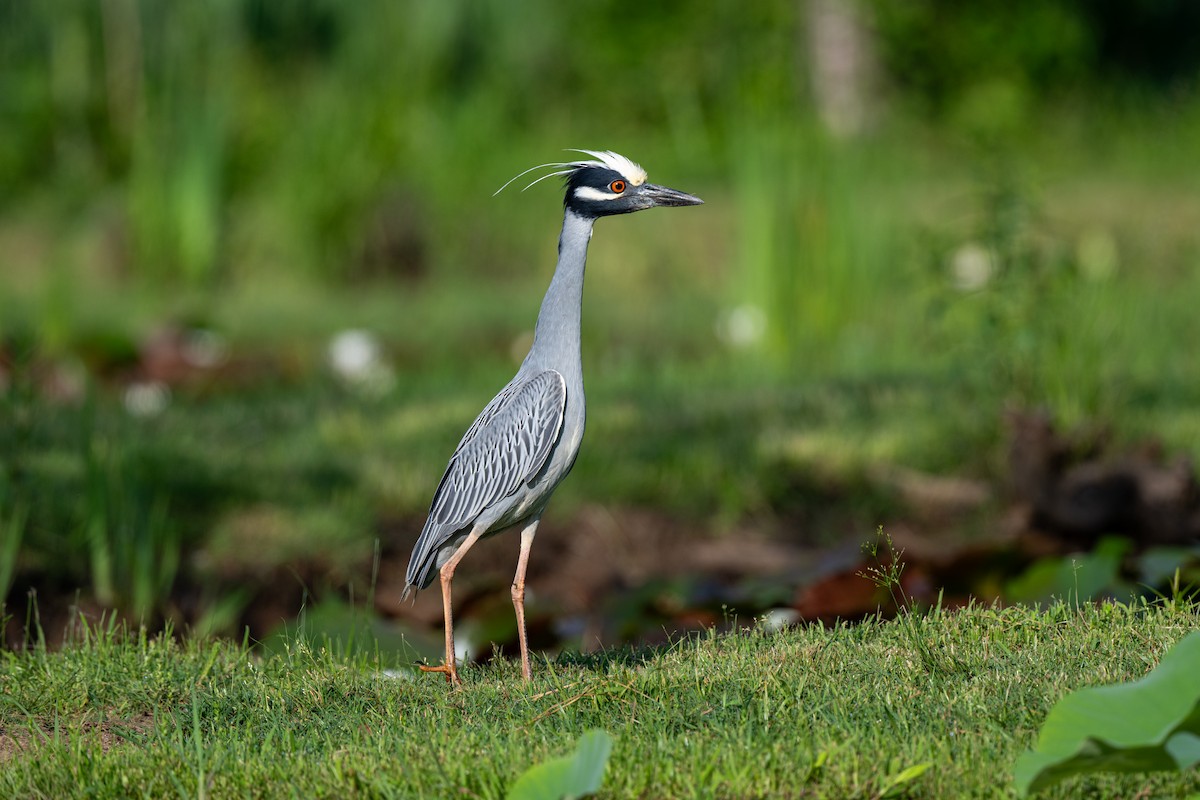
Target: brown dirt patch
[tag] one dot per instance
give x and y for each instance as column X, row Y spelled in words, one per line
column 25, row 737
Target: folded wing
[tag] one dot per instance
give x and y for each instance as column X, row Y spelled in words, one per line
column 507, row 445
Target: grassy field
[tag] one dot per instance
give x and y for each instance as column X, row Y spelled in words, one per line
column 802, row 712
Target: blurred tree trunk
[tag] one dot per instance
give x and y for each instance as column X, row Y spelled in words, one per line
column 121, row 27
column 844, row 67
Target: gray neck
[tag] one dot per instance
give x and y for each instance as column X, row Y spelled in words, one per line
column 556, row 339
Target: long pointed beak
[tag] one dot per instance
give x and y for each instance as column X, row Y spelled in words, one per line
column 662, row 196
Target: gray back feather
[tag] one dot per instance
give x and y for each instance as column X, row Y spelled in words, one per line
column 507, row 445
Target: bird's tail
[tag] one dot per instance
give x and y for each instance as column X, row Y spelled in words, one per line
column 409, row 589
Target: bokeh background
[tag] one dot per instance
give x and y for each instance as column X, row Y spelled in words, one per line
column 254, row 284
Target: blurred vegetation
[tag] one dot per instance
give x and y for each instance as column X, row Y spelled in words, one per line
column 1013, row 223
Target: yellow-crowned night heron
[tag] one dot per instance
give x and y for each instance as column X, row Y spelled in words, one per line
column 526, row 439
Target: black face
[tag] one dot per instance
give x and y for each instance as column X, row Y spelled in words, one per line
column 601, row 192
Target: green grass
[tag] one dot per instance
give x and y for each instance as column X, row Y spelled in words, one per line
column 747, row 714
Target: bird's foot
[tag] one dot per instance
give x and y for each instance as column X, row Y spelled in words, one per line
column 449, row 670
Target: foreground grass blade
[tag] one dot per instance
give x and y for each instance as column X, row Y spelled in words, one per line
column 572, row 776
column 1148, row 724
column 897, row 783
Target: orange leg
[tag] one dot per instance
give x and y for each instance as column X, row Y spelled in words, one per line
column 446, row 576
column 518, row 594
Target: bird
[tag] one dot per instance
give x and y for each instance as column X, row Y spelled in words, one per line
column 526, row 440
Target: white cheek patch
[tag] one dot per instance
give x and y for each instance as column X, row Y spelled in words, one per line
column 589, row 193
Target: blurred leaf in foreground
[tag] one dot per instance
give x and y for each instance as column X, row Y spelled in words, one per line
column 1148, row 724
column 578, row 775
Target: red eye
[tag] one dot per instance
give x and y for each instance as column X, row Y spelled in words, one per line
column 616, row 187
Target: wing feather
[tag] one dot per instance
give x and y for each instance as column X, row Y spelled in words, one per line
column 507, row 445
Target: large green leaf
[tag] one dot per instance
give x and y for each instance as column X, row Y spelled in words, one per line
column 1149, row 724
column 1074, row 579
column 568, row 777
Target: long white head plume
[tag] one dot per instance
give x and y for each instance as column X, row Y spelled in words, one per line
column 605, row 159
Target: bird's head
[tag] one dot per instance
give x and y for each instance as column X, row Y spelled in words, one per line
column 607, row 184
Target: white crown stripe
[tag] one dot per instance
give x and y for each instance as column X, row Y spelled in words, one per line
column 605, row 159
column 632, row 171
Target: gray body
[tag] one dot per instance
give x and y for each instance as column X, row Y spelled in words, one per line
column 527, row 438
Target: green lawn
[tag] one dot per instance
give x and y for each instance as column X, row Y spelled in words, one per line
column 748, row 714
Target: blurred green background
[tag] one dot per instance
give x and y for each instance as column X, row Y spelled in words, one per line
column 254, row 282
